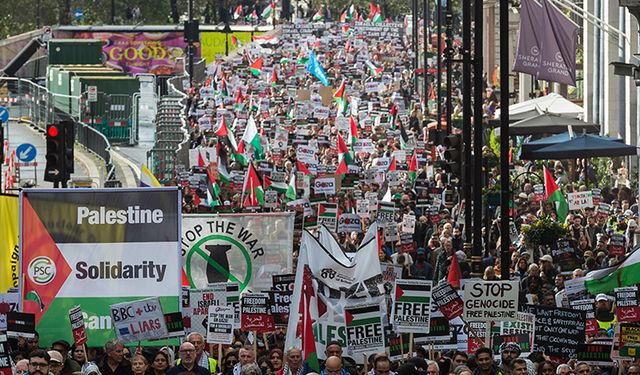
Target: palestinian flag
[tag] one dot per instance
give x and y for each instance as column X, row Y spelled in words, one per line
column 342, row 165
column 626, row 273
column 352, row 14
column 290, row 108
column 284, row 60
column 393, row 166
column 223, row 129
column 256, row 67
column 280, row 187
column 340, row 96
column 353, row 129
column 347, row 30
column 291, row 188
column 253, row 104
column 413, row 167
column 404, row 137
column 251, row 137
column 213, row 191
column 319, row 16
column 303, row 168
column 411, row 292
column 344, row 150
column 33, row 296
column 373, row 69
column 253, row 17
column 224, row 91
column 223, row 174
column 555, row 195
column 236, row 43
column 239, row 99
column 308, row 339
column 372, row 12
column 268, row 11
column 377, row 18
column 364, row 315
column 274, row 78
column 237, row 13
column 252, row 190
column 343, row 17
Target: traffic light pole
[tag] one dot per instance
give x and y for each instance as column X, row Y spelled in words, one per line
column 466, row 120
column 505, row 193
column 476, row 258
column 438, row 8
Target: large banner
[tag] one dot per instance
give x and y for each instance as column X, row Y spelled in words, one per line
column 95, row 248
column 138, row 52
column 9, row 254
column 245, row 248
column 214, row 43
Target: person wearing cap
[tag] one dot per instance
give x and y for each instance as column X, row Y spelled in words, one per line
column 604, row 316
column 421, row 269
column 69, row 365
column 510, row 351
column 548, row 269
column 55, row 362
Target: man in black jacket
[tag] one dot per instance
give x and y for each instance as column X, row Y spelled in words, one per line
column 188, row 361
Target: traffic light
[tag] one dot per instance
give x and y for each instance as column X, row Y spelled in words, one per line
column 68, row 128
column 453, row 154
column 54, row 172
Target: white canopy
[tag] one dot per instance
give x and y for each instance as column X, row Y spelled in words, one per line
column 551, row 103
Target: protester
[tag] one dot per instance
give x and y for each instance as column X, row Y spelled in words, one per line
column 139, row 364
column 202, row 358
column 55, row 362
column 21, row 367
column 188, row 362
column 38, row 362
column 113, row 362
column 70, row 364
column 160, row 363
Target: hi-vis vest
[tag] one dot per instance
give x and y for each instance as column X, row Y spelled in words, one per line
column 213, row 365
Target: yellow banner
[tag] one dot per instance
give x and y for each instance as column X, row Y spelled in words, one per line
column 9, row 250
column 213, row 42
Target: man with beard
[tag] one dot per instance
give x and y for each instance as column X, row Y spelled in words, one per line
column 605, row 317
column 510, row 351
column 38, row 363
column 277, row 339
column 484, row 360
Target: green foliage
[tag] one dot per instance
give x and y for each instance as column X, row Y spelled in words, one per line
column 544, row 231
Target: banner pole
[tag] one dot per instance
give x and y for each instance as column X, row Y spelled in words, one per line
column 266, row 342
column 473, row 331
column 410, row 354
column 219, row 354
column 255, row 342
column 401, row 349
column 366, row 363
column 487, row 338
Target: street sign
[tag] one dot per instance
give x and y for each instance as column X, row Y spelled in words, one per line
column 92, row 94
column 4, row 114
column 47, row 33
column 78, row 13
column 26, row 152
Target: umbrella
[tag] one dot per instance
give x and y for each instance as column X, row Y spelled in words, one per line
column 583, row 146
column 529, row 147
column 552, row 103
column 550, row 123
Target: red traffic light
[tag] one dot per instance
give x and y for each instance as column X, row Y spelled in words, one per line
column 52, row 131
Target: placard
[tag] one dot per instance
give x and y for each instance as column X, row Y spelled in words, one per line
column 77, row 326
column 5, row 360
column 408, row 223
column 138, row 320
column 175, row 324
column 255, row 313
column 538, row 193
column 284, row 282
column 10, row 302
column 595, row 354
column 199, row 302
column 280, row 303
column 270, row 199
column 485, row 301
column 363, row 145
column 522, row 340
column 411, row 310
column 630, row 340
column 391, row 233
column 386, row 214
column 220, row 325
column 448, row 300
column 327, row 215
column 348, row 223
column 580, row 199
column 325, row 185
column 627, row 304
column 588, row 306
column 364, row 329
column 362, row 208
column 21, row 324
column 558, row 330
column 616, row 244
column 565, row 255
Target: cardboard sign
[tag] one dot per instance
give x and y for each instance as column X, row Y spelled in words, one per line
column 139, row 320
column 565, row 254
column 220, row 326
column 21, row 325
column 526, row 323
column 412, row 306
column 199, row 302
column 280, row 303
column 627, row 304
column 233, row 299
column 327, row 215
column 284, row 282
column 364, row 329
column 256, row 313
column 597, row 196
column 386, row 214
column 588, row 306
column 175, row 324
column 538, row 193
column 558, row 330
column 595, row 354
column 363, row 145
column 581, row 199
column 349, row 223
column 362, row 208
column 77, row 326
column 603, row 210
column 448, row 301
column 486, row 301
column 409, row 223
column 616, row 244
column 10, row 302
column 630, row 340
column 522, row 340
column 325, row 185
column 391, row 233
column 5, row 360
column 270, row 199
column 306, row 154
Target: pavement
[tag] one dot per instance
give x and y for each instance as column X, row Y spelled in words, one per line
column 88, row 168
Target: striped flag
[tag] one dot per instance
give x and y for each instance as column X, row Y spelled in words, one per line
column 147, row 179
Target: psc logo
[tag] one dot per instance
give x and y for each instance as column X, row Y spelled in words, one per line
column 42, row 270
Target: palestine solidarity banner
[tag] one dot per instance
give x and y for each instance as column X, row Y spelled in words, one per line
column 246, row 248
column 95, row 248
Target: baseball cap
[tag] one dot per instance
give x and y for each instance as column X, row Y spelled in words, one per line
column 588, row 254
column 602, row 297
column 546, row 258
column 55, row 356
column 420, row 250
